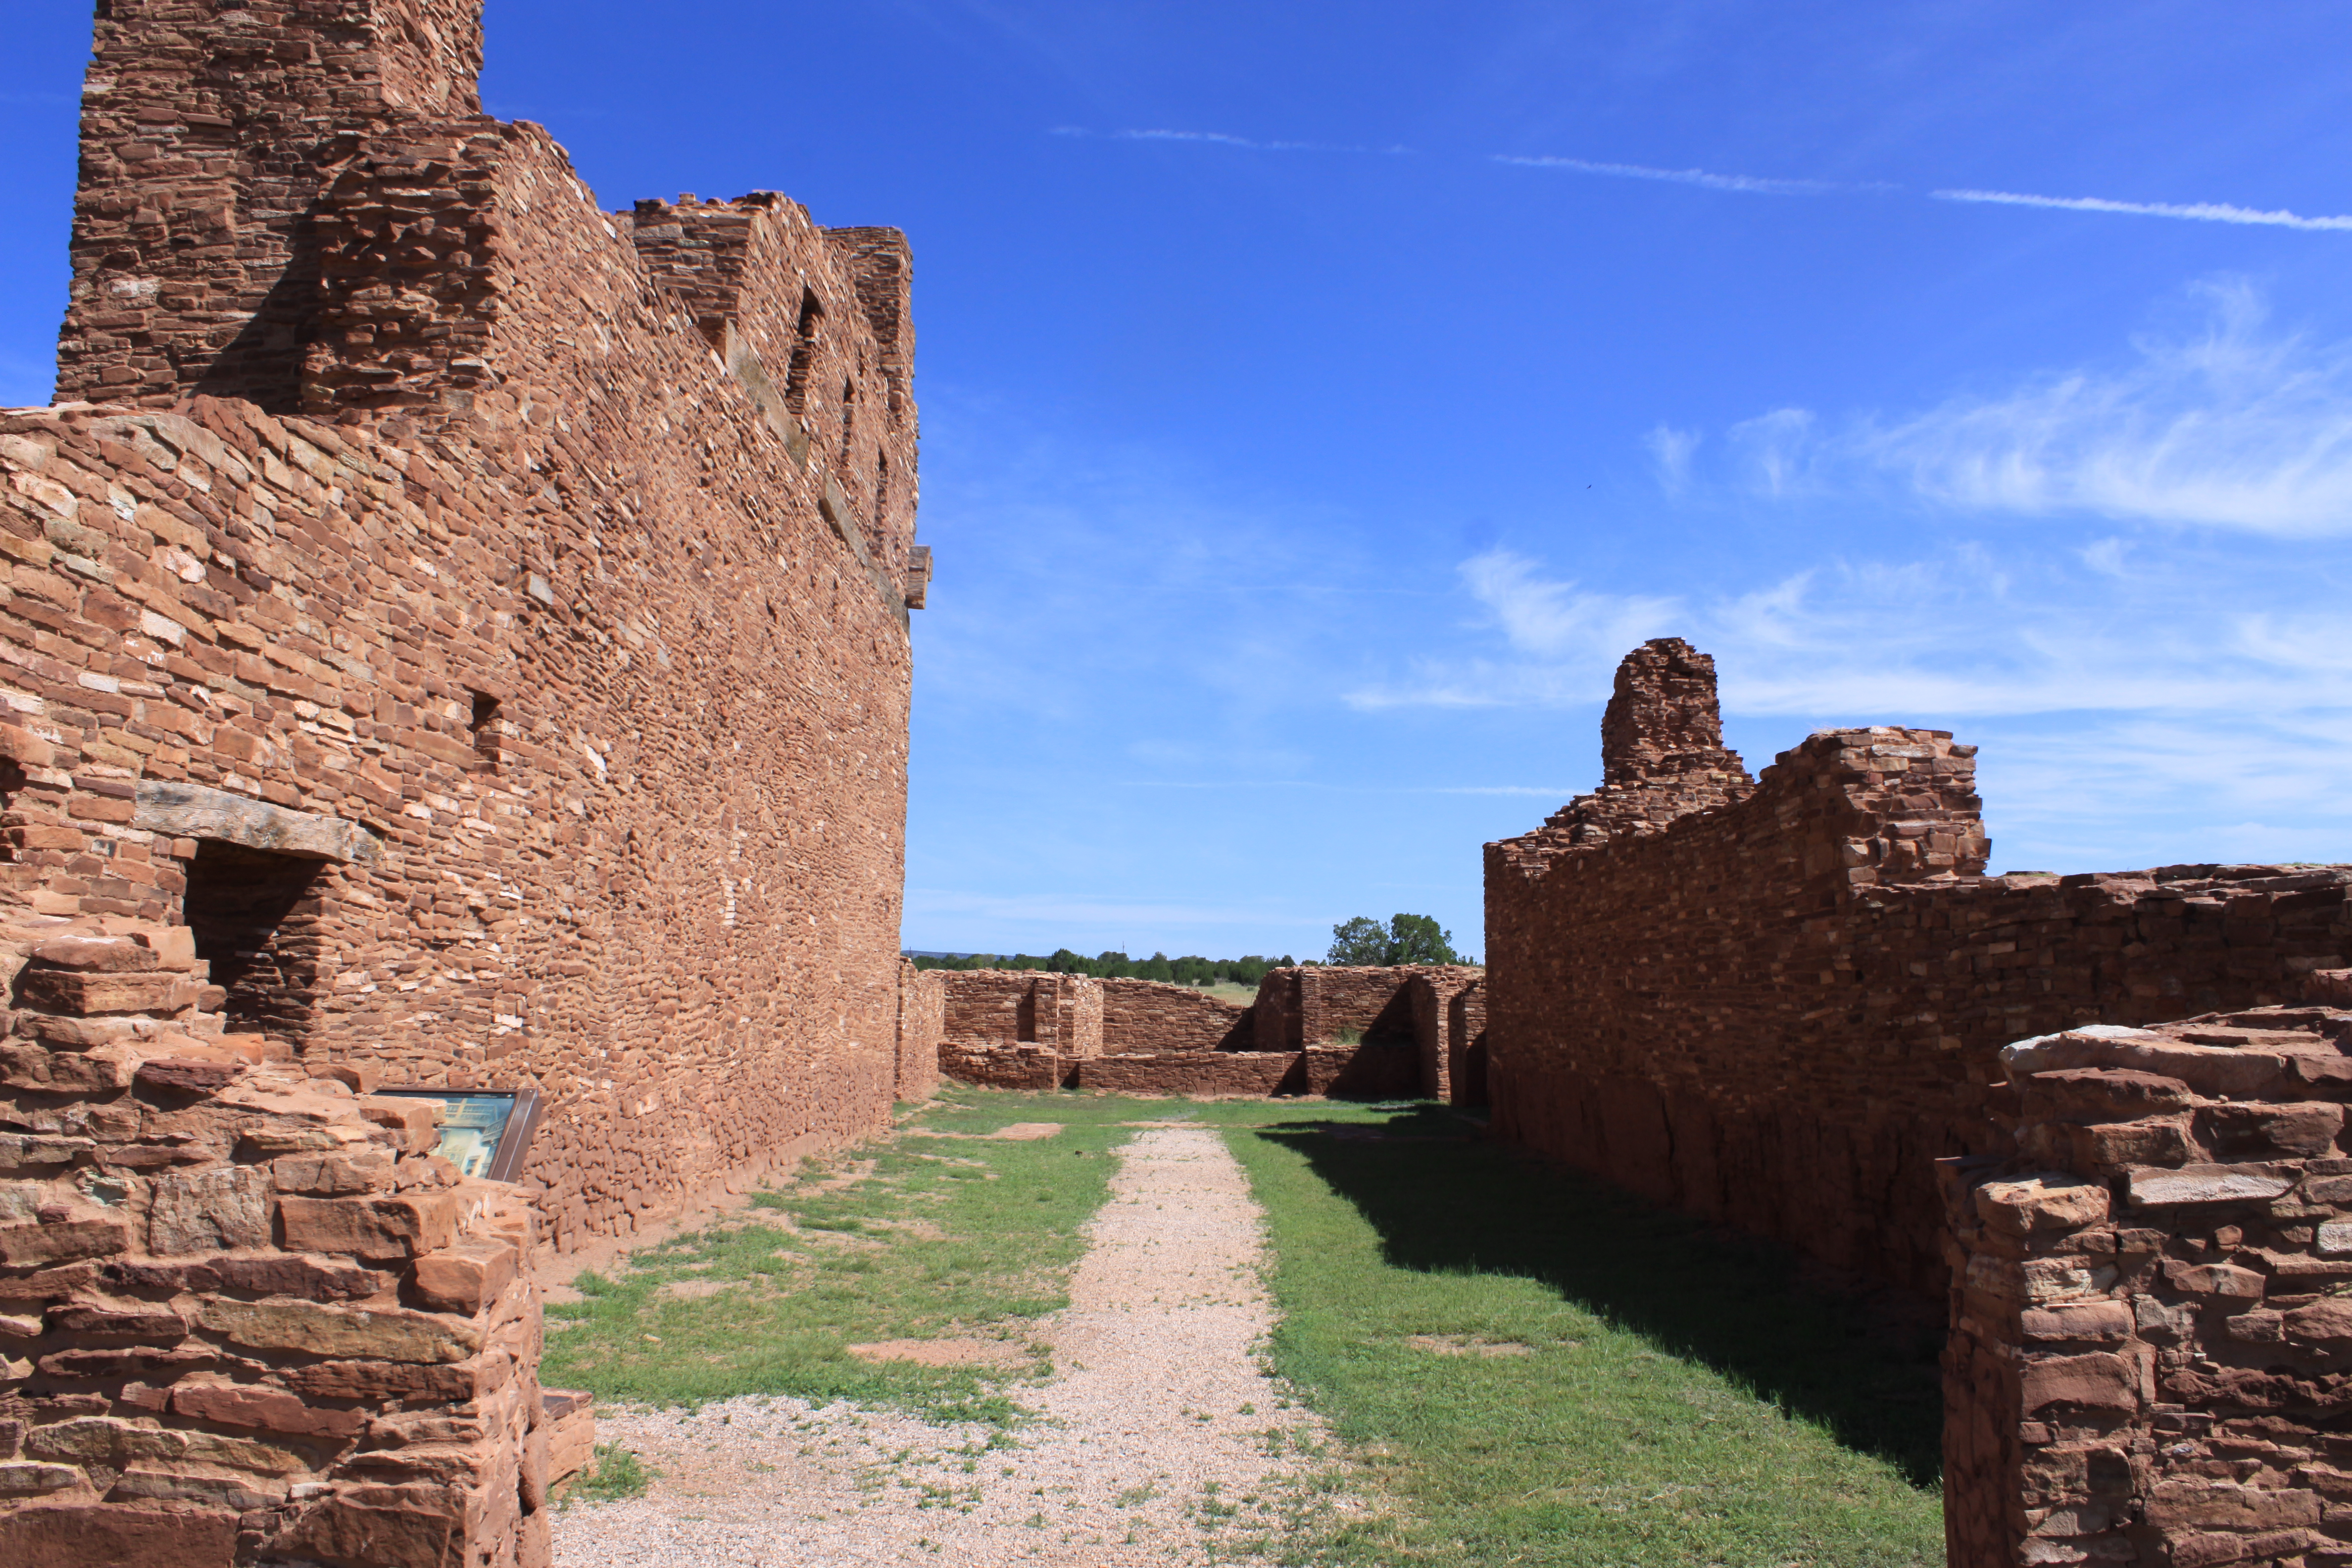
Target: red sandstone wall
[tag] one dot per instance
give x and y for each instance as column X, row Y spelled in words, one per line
column 1198, row 1074
column 1062, row 1013
column 1782, row 1012
column 1466, row 1046
column 661, row 879
column 2149, row 1328
column 245, row 1314
column 1147, row 1015
column 922, row 1008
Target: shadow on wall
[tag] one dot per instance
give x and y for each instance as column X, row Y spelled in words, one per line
column 1863, row 1366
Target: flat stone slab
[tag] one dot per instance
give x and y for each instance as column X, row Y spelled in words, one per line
column 193, row 811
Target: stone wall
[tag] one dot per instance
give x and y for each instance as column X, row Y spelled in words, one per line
column 1032, row 1029
column 245, row 1313
column 2148, row 1309
column 922, row 1019
column 1466, row 1046
column 551, row 565
column 1780, row 1010
column 1148, row 1015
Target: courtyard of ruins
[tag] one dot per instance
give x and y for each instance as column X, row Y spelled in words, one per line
column 463, row 1099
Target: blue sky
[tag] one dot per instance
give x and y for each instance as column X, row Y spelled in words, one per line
column 1319, row 399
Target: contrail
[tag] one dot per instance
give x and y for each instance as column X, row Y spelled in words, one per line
column 1748, row 183
column 2199, row 212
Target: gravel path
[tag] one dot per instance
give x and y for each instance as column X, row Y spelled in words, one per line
column 1156, row 1425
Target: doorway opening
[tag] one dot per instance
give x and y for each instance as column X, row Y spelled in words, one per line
column 255, row 917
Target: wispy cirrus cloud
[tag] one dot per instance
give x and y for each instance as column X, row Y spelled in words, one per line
column 1706, row 179
column 2195, row 212
column 1220, row 139
column 2233, row 424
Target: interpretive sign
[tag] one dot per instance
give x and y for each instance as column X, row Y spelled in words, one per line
column 486, row 1131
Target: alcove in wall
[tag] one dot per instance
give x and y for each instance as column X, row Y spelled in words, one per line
column 255, row 915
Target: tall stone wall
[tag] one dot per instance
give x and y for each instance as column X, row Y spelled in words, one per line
column 564, row 566
column 922, row 1020
column 988, row 1008
column 1780, row 1010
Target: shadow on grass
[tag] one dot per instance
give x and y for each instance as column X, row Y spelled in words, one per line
column 1864, row 1368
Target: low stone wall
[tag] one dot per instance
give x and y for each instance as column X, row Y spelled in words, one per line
column 1023, row 1006
column 245, row 1314
column 1004, row 1067
column 1466, row 1046
column 1145, row 1016
column 2149, row 1308
column 1198, row 1075
column 1313, row 1004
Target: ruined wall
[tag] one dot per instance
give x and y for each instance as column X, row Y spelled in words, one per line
column 1060, row 1012
column 1781, row 1011
column 1148, row 1015
column 556, row 591
column 1436, row 1026
column 922, row 1019
column 1310, row 1005
column 2149, row 1329
column 1466, row 1046
column 245, row 1313
column 1199, row 1075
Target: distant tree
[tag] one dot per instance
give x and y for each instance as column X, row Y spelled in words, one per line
column 1113, row 965
column 1156, row 967
column 1406, row 939
column 1065, row 962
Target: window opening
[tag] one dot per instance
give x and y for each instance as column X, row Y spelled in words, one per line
column 483, row 728
column 256, row 918
column 796, row 374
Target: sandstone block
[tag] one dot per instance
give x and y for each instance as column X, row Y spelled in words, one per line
column 69, row 991
column 2097, row 1381
column 379, row 1334
column 145, row 1321
column 2226, row 1504
column 60, row 1241
column 2336, row 1238
column 2084, row 1320
column 198, row 1483
column 466, row 1277
column 2041, row 1205
column 332, row 1175
column 100, row 1071
column 93, row 954
column 224, row 1209
column 2298, row 1130
column 112, row 1535
column 374, row 1382
column 391, row 1526
column 263, row 1409
column 28, row 1477
column 147, row 1363
column 2214, row 1279
column 2154, row 1187
column 2327, row 1319
column 375, row 1229
column 181, row 1076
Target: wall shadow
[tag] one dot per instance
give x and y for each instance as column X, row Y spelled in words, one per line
column 1859, row 1360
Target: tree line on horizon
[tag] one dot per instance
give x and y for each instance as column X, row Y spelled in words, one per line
column 1405, row 938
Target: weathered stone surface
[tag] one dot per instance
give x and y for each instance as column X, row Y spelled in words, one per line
column 103, row 954
column 393, row 1526
column 45, row 1242
column 2044, row 1203
column 2097, row 1382
column 374, row 1227
column 222, row 1208
column 2207, row 1184
column 465, row 1278
column 71, row 991
column 392, row 1334
column 263, row 1409
column 193, row 811
column 2087, row 1320
column 30, row 1478
column 110, row 1536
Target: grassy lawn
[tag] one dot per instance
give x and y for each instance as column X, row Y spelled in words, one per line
column 941, row 1232
column 1538, row 1369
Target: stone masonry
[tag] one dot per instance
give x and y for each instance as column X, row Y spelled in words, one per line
column 1781, row 1010
column 559, row 559
column 1033, row 1029
column 245, row 1313
column 2151, row 1349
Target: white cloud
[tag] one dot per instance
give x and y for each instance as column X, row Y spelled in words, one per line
column 1223, row 139
column 1749, row 184
column 2231, row 426
column 1670, row 450
column 2196, row 212
column 1540, row 616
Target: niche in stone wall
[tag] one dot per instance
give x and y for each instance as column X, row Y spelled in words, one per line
column 255, row 916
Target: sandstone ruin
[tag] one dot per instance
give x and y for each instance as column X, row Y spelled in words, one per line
column 1418, row 1029
column 2105, row 1112
column 453, row 636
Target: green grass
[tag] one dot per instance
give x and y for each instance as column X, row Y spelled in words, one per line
column 1683, row 1398
column 923, row 1235
column 616, row 1474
